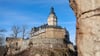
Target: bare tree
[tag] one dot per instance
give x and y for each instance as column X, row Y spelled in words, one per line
column 16, row 30
column 24, row 31
column 2, row 40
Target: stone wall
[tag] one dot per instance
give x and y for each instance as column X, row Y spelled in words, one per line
column 41, row 46
column 11, row 42
column 48, row 42
column 50, row 33
column 16, row 45
column 88, row 26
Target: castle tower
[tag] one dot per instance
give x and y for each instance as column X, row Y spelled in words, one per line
column 52, row 19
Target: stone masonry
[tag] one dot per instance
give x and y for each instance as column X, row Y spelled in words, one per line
column 88, row 26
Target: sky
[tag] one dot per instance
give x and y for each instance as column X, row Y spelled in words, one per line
column 35, row 13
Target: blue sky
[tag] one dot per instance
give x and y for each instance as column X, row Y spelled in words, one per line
column 34, row 13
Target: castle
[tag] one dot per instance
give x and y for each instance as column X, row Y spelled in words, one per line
column 49, row 36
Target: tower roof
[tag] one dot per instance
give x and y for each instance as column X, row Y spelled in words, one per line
column 52, row 11
column 52, row 19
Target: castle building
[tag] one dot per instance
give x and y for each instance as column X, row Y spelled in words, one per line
column 51, row 29
column 50, row 34
column 45, row 39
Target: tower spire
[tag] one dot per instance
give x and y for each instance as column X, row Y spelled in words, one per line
column 52, row 10
column 52, row 19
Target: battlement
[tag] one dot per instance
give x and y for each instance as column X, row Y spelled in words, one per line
column 44, row 26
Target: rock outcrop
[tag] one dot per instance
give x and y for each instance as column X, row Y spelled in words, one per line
column 37, row 46
column 31, row 51
column 88, row 26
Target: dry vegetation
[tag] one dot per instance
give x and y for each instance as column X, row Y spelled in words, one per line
column 45, row 52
